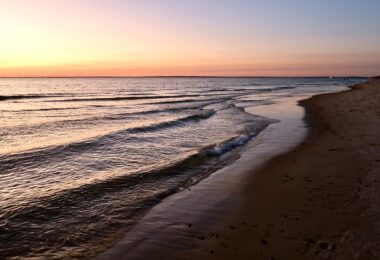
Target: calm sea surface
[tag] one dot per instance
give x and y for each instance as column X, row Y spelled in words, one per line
column 82, row 159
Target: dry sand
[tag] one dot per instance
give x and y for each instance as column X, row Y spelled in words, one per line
column 323, row 199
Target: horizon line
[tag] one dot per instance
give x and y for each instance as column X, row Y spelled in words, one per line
column 185, row 76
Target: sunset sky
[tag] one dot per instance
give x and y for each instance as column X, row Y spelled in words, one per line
column 189, row 37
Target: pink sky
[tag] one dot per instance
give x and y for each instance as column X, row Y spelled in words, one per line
column 145, row 38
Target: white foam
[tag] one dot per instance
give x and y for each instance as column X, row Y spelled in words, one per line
column 228, row 145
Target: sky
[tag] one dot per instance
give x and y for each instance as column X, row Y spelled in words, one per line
column 189, row 37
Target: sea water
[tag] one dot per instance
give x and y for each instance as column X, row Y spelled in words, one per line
column 82, row 159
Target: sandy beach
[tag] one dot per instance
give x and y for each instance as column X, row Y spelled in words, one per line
column 190, row 130
column 320, row 200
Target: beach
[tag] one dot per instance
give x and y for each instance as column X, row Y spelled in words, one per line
column 319, row 200
column 240, row 210
column 202, row 192
column 139, row 161
column 189, row 130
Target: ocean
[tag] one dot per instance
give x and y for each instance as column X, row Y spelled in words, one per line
column 83, row 159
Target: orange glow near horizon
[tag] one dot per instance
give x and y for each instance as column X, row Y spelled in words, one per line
column 111, row 38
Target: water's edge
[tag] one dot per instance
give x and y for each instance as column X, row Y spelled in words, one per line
column 143, row 163
column 182, row 219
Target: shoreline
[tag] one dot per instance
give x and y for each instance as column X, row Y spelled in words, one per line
column 271, row 203
column 320, row 200
column 167, row 225
column 108, row 205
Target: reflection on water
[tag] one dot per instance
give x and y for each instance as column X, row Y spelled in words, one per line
column 82, row 159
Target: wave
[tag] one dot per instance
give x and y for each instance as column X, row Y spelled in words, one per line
column 254, row 102
column 8, row 162
column 190, row 169
column 218, row 149
column 216, row 90
column 131, row 97
column 149, row 112
column 221, row 99
column 274, row 89
column 256, row 89
column 241, row 89
column 43, row 109
column 204, row 114
column 31, row 96
column 178, row 101
column 319, row 84
column 228, row 145
column 60, row 124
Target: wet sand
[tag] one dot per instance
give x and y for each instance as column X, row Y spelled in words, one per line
column 319, row 201
column 313, row 200
column 181, row 225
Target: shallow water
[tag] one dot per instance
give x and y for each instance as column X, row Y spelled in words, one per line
column 177, row 229
column 82, row 159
